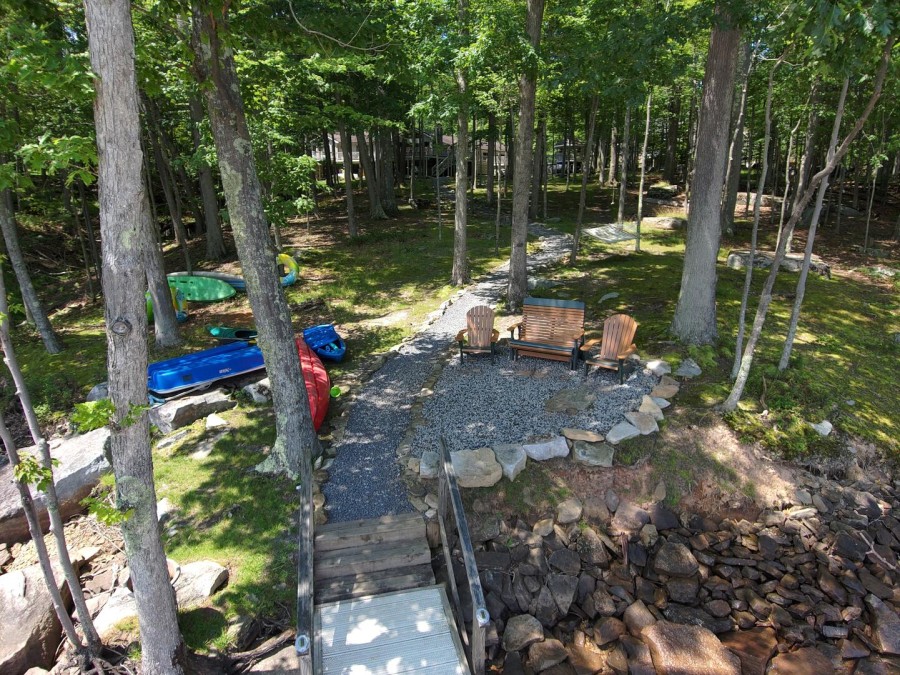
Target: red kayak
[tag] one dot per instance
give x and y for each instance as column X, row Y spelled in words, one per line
column 318, row 386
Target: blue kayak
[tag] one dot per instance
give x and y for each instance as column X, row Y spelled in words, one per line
column 324, row 341
column 200, row 368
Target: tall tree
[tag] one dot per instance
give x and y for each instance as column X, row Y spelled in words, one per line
column 735, row 151
column 215, row 242
column 695, row 313
column 122, row 196
column 518, row 269
column 460, row 272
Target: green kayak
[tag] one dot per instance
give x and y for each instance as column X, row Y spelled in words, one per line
column 202, row 289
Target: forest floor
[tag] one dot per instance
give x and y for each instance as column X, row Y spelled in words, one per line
column 379, row 288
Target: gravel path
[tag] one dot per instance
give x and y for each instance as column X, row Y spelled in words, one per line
column 364, row 479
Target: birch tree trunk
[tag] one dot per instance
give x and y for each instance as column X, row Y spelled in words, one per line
column 122, row 198
column 623, row 165
column 518, row 264
column 613, row 156
column 491, row 158
column 347, row 152
column 672, row 136
column 215, row 242
column 808, row 152
column 733, row 169
column 811, row 235
column 765, row 298
column 537, row 178
column 640, row 205
column 376, row 211
column 748, row 274
column 460, row 273
column 582, row 198
column 695, row 313
column 787, row 179
column 17, row 260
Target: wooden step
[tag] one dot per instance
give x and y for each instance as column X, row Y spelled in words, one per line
column 367, row 559
column 373, row 583
column 362, row 533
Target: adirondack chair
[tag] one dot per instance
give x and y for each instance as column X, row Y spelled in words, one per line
column 479, row 336
column 615, row 345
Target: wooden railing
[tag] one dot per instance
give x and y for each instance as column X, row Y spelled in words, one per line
column 448, row 496
column 306, row 610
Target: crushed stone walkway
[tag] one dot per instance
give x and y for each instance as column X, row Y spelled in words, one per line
column 364, row 479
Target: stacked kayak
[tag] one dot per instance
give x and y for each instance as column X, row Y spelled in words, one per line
column 193, row 371
column 289, row 272
column 201, row 289
column 236, row 282
column 324, row 341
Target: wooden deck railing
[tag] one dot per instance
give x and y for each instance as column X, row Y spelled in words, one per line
column 449, row 497
column 306, row 610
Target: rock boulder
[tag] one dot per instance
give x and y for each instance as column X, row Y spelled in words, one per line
column 183, row 411
column 679, row 649
column 476, row 468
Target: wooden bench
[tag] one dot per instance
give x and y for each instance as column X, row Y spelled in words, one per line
column 549, row 329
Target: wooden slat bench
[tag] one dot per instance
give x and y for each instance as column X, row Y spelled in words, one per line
column 549, row 329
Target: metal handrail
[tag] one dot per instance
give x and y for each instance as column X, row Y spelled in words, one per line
column 448, row 493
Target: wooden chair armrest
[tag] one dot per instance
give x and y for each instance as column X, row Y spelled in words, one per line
column 579, row 334
column 460, row 334
column 495, row 335
column 590, row 344
column 512, row 329
column 628, row 352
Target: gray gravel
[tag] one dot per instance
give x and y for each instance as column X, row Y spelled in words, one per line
column 476, row 403
column 364, row 479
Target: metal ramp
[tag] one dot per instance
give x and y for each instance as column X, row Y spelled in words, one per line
column 403, row 632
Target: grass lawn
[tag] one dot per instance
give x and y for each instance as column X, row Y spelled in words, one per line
column 380, row 287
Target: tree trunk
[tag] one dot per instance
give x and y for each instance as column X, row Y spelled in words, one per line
column 623, row 162
column 733, row 167
column 326, row 162
column 460, row 272
column 582, row 198
column 76, row 226
column 89, row 225
column 215, row 242
column 17, row 260
column 787, row 179
column 811, row 235
column 613, row 156
column 536, row 175
column 437, row 179
column 122, row 199
column 765, row 298
column 518, row 270
column 376, row 212
column 165, row 322
column 347, row 152
column 491, row 158
column 643, row 159
column 671, row 164
column 385, row 171
column 808, row 152
column 695, row 313
column 748, row 274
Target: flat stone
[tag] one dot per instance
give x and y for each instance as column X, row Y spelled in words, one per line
column 643, row 422
column 658, row 367
column 183, row 411
column 874, row 585
column 679, row 649
column 803, row 497
column 259, row 392
column 584, row 659
column 664, row 391
column 581, row 435
column 476, row 468
column 546, row 654
column 753, row 647
column 540, row 452
column 428, row 465
column 569, row 511
column 198, row 581
column 30, row 631
column 512, row 459
column 522, row 631
column 637, row 617
column 823, row 428
column 695, row 616
column 675, row 559
column 543, row 527
column 546, row 609
column 629, row 519
column 849, row 546
column 566, row 561
column 119, row 608
column 683, row 590
column 562, row 589
column 215, row 421
column 571, row 401
column 649, row 535
column 804, row 661
column 621, row 432
column 608, row 629
column 593, row 454
column 612, row 500
column 591, row 548
column 688, row 368
column 607, row 296
column 164, row 509
column 661, row 402
column 81, row 462
column 663, row 517
column 282, row 662
column 885, row 626
column 650, row 407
